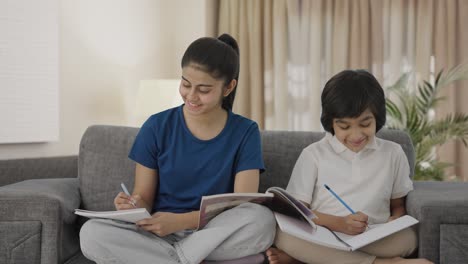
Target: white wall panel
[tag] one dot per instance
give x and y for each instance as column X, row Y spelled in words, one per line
column 29, row 70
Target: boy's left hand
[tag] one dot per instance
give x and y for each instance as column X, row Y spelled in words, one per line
column 161, row 223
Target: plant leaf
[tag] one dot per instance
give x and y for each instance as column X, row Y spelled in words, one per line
column 409, row 111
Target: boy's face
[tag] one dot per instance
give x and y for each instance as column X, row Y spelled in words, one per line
column 355, row 133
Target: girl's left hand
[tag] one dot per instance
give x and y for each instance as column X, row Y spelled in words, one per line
column 393, row 217
column 161, row 223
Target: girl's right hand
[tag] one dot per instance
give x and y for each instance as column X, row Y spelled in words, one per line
column 123, row 201
column 354, row 224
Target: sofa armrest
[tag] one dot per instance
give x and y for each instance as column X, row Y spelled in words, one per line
column 441, row 208
column 33, row 214
column 16, row 170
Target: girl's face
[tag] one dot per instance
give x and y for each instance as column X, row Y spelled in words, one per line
column 355, row 133
column 201, row 92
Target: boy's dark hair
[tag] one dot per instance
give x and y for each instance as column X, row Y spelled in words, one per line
column 348, row 94
column 217, row 57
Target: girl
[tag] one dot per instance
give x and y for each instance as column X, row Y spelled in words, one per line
column 181, row 154
column 370, row 174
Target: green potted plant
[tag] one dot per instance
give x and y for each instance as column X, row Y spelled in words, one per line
column 412, row 110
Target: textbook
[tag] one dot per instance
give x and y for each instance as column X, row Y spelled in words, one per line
column 129, row 215
column 276, row 198
column 325, row 237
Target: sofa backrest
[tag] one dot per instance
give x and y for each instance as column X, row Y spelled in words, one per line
column 103, row 164
column 16, row 170
column 103, row 160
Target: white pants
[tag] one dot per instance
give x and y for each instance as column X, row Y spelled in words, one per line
column 242, row 231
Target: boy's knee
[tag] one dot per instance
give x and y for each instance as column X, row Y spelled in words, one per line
column 411, row 241
column 403, row 244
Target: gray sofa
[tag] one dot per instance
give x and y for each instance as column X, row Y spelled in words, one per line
column 37, row 223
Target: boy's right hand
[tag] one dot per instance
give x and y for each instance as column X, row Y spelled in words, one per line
column 354, row 224
column 123, row 201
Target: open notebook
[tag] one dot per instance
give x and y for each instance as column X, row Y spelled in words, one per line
column 275, row 198
column 129, row 215
column 325, row 237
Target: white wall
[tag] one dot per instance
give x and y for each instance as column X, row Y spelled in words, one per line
column 106, row 47
column 29, row 71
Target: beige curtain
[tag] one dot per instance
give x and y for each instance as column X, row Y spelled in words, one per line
column 246, row 22
column 450, row 41
column 290, row 48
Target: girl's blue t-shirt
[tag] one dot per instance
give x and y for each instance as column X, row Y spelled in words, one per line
column 190, row 168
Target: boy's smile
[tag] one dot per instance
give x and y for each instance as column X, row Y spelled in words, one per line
column 356, row 132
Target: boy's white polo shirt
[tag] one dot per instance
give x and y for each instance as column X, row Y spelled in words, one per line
column 366, row 180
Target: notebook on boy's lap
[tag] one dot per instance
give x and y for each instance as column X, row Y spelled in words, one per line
column 325, row 237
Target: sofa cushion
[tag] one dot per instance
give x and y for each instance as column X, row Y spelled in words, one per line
column 65, row 191
column 280, row 152
column 20, row 241
column 103, row 164
column 436, row 204
column 453, row 243
column 16, row 170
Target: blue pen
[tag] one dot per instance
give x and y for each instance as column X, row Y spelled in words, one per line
column 339, row 199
